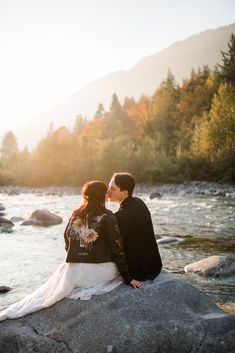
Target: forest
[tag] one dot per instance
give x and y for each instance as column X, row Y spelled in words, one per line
column 182, row 132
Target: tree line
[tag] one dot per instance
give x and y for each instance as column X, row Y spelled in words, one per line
column 182, row 132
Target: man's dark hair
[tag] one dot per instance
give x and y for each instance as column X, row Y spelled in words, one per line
column 125, row 181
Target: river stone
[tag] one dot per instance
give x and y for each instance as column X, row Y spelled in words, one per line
column 2, row 208
column 155, row 195
column 214, row 266
column 4, row 289
column 5, row 222
column 167, row 240
column 27, row 223
column 168, row 315
column 6, row 229
column 44, row 218
column 16, row 219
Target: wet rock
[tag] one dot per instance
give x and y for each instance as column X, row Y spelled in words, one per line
column 44, row 218
column 27, row 223
column 155, row 195
column 167, row 315
column 4, row 289
column 167, row 240
column 6, row 229
column 212, row 266
column 5, row 222
column 219, row 193
column 17, row 219
column 2, row 208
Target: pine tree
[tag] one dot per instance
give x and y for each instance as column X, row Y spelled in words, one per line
column 115, row 104
column 117, row 120
column 100, row 111
column 9, row 150
column 227, row 69
column 161, row 124
column 79, row 125
column 10, row 156
column 214, row 139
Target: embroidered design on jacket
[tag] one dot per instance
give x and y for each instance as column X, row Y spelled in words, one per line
column 79, row 231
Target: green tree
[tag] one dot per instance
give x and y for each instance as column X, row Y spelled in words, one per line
column 10, row 156
column 227, row 68
column 117, row 120
column 161, row 124
column 215, row 138
column 100, row 113
column 24, row 174
column 196, row 94
column 51, row 161
column 79, row 125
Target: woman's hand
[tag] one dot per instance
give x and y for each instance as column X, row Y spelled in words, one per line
column 136, row 284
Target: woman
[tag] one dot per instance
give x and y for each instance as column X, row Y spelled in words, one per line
column 94, row 262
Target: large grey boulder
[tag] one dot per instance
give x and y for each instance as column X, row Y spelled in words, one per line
column 212, row 266
column 2, row 208
column 43, row 218
column 167, row 316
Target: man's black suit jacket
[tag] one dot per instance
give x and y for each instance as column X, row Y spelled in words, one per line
column 140, row 246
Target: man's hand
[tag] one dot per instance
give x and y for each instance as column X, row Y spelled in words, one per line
column 136, row 284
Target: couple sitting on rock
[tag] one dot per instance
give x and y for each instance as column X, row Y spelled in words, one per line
column 100, row 247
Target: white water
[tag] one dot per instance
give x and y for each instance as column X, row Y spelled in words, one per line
column 204, row 223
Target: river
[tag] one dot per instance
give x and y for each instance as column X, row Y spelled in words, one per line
column 200, row 215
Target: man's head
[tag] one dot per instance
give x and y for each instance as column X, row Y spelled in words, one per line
column 121, row 186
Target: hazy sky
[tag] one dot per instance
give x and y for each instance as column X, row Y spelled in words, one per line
column 51, row 48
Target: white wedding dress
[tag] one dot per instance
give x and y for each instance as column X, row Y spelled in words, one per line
column 70, row 280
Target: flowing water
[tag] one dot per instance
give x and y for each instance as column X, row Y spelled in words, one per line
column 201, row 216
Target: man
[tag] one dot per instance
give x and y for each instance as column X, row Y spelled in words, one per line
column 135, row 224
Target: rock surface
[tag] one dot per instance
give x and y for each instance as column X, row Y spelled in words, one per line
column 43, row 218
column 5, row 222
column 212, row 266
column 6, row 229
column 167, row 316
column 155, row 195
column 4, row 289
column 16, row 219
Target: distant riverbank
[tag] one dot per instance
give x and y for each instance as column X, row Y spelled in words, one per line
column 185, row 188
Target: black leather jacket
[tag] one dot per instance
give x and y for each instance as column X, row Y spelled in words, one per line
column 140, row 246
column 97, row 240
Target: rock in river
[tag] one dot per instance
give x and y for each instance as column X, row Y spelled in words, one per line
column 16, row 219
column 167, row 315
column 214, row 266
column 4, row 289
column 155, row 195
column 43, row 218
column 167, row 240
column 5, row 222
column 2, row 208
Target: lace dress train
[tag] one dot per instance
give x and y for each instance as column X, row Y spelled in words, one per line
column 70, row 280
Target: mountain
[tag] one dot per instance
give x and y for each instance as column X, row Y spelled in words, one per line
column 144, row 78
